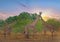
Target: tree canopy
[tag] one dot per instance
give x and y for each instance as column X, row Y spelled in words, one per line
column 55, row 23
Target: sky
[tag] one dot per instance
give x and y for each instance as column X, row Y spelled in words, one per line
column 49, row 8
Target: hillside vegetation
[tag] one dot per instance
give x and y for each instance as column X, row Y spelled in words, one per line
column 17, row 23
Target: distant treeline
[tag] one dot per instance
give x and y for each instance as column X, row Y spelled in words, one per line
column 17, row 23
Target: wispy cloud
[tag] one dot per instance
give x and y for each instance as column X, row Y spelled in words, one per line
column 49, row 12
column 5, row 15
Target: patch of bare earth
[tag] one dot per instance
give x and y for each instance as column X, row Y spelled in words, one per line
column 36, row 37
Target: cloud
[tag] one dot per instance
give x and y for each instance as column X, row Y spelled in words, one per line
column 49, row 12
column 5, row 15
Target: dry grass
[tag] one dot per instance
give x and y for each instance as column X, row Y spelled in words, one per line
column 36, row 37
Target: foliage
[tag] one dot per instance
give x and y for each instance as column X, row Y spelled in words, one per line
column 22, row 20
column 39, row 26
column 33, row 16
column 2, row 23
column 18, row 23
column 55, row 23
column 11, row 19
column 24, row 15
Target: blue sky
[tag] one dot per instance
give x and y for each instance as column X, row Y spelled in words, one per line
column 14, row 7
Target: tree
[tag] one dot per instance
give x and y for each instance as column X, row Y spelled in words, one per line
column 55, row 23
column 14, row 18
column 11, row 19
column 34, row 16
column 24, row 15
column 2, row 23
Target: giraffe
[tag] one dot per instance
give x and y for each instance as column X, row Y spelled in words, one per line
column 7, row 30
column 46, row 25
column 31, row 26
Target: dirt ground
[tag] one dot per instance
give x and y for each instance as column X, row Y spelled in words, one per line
column 33, row 38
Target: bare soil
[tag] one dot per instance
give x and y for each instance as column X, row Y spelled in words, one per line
column 39, row 37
